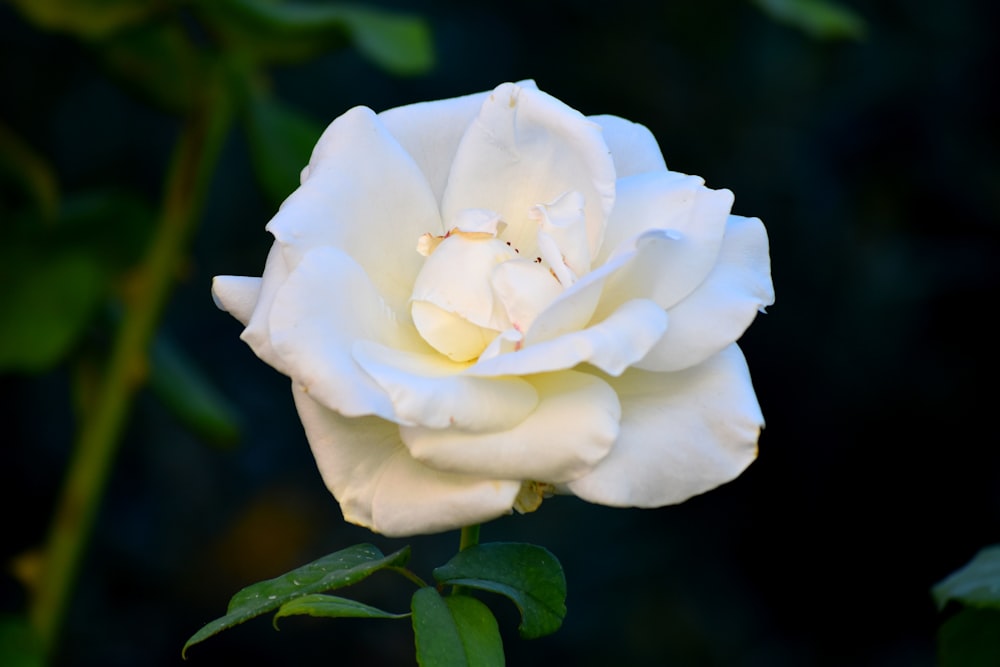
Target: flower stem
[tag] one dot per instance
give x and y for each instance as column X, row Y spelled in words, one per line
column 469, row 538
column 409, row 574
column 100, row 428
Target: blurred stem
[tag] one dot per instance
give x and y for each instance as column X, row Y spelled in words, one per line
column 469, row 538
column 192, row 165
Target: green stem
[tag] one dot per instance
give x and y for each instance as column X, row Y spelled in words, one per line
column 409, row 574
column 97, row 440
column 469, row 538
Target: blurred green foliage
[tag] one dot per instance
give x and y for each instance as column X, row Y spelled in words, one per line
column 819, row 18
column 86, row 268
column 292, row 32
column 281, row 141
column 64, row 259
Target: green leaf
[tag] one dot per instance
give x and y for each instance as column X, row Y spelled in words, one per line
column 159, row 62
column 330, row 606
column 970, row 638
column 457, row 631
column 526, row 573
column 47, row 300
column 85, row 18
column 53, row 277
column 335, row 570
column 19, row 645
column 822, row 19
column 146, row 44
column 112, row 225
column 397, row 44
column 190, row 396
column 977, row 584
column 291, row 32
column 281, row 142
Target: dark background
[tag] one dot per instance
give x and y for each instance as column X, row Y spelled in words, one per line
column 874, row 166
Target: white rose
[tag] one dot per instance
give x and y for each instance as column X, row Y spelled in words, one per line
column 485, row 299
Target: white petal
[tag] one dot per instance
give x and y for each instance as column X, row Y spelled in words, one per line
column 668, row 200
column 632, row 146
column 723, row 306
column 431, row 131
column 562, row 224
column 456, row 278
column 449, row 333
column 573, row 428
column 380, row 486
column 611, row 345
column 427, row 390
column 681, row 434
column 325, row 305
column 524, row 289
column 366, row 196
column 476, row 221
column 237, row 295
column 525, row 148
column 575, row 307
column 453, row 305
column 508, row 341
column 258, row 332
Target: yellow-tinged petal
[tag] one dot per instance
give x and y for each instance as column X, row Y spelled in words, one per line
column 682, row 434
column 612, row 345
column 572, row 428
column 431, row 131
column 453, row 305
column 428, row 390
column 526, row 148
column 380, row 486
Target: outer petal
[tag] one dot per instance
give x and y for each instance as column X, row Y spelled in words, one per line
column 632, row 146
column 325, row 305
column 237, row 295
column 612, row 345
column 527, row 148
column 681, row 434
column 668, row 200
column 258, row 332
column 721, row 308
column 430, row 132
column 426, row 389
column 365, row 195
column 573, row 428
column 380, row 486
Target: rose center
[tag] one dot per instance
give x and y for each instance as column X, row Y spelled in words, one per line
column 477, row 295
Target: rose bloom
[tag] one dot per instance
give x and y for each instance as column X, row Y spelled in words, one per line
column 485, row 300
